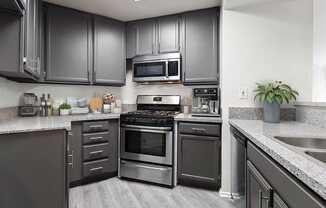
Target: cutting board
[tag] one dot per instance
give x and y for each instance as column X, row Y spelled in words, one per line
column 96, row 102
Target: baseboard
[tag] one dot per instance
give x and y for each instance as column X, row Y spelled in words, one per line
column 225, row 194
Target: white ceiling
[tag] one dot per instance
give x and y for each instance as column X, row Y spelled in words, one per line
column 127, row 10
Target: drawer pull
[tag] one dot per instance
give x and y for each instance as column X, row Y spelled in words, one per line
column 96, row 152
column 96, row 126
column 199, row 129
column 95, row 169
column 95, row 138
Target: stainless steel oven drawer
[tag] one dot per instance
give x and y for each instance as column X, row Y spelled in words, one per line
column 95, row 151
column 95, row 126
column 90, row 138
column 146, row 172
column 200, row 129
column 95, row 167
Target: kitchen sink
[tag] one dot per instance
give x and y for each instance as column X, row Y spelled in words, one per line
column 321, row 156
column 313, row 143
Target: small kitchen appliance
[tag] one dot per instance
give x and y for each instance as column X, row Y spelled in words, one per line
column 206, row 102
column 148, row 146
column 163, row 67
column 29, row 108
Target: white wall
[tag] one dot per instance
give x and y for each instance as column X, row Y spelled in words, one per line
column 319, row 52
column 263, row 43
column 11, row 94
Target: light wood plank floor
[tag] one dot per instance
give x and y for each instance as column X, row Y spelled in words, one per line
column 117, row 193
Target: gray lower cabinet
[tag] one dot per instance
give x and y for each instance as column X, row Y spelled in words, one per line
column 93, row 151
column 270, row 185
column 168, row 34
column 34, row 169
column 109, row 51
column 145, row 37
column 259, row 192
column 68, row 45
column 198, row 157
column 200, row 41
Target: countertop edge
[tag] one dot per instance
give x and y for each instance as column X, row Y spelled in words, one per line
column 315, row 185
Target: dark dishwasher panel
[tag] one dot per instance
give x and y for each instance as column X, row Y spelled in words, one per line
column 238, row 167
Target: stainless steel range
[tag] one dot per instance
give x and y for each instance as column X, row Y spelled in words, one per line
column 147, row 141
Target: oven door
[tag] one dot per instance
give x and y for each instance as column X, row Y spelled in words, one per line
column 150, row 71
column 147, row 144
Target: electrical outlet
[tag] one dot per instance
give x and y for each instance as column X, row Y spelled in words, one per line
column 243, row 93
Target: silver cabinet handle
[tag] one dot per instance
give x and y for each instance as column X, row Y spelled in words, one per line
column 268, row 198
column 96, row 152
column 96, row 126
column 95, row 138
column 95, row 169
column 198, row 129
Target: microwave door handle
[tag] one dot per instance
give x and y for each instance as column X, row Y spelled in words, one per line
column 167, row 69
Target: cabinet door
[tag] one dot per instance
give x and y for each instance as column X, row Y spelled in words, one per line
column 75, row 152
column 131, row 39
column 34, row 171
column 199, row 158
column 109, row 51
column 32, row 38
column 145, row 37
column 278, row 202
column 168, row 34
column 68, row 45
column 259, row 192
column 200, row 47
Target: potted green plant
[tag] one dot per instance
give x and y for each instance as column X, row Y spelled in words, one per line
column 272, row 95
column 64, row 109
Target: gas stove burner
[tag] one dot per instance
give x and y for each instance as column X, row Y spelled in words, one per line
column 154, row 113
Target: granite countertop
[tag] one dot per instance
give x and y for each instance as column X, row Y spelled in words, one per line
column 189, row 117
column 309, row 171
column 30, row 124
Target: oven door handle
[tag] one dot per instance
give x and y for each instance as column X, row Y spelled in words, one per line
column 143, row 166
column 147, row 127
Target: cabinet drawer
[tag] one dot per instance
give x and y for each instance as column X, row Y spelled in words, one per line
column 95, row 126
column 95, row 151
column 199, row 129
column 95, row 167
column 95, row 137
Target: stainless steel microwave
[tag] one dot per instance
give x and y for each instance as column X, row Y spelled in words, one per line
column 163, row 67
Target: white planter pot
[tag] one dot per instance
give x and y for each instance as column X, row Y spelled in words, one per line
column 64, row 112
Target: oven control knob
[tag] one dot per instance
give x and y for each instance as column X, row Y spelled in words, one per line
column 163, row 121
column 134, row 120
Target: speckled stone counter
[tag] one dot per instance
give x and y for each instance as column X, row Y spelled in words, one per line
column 190, row 118
column 309, row 171
column 30, row 124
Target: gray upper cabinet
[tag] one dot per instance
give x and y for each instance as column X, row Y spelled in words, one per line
column 200, row 47
column 68, row 45
column 145, row 37
column 109, row 51
column 20, row 43
column 131, row 39
column 168, row 34
column 32, row 52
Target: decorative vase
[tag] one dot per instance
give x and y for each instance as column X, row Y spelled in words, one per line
column 64, row 112
column 272, row 112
